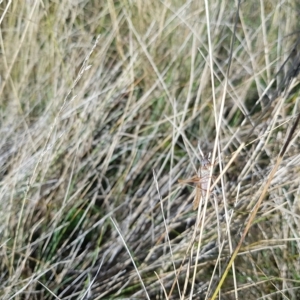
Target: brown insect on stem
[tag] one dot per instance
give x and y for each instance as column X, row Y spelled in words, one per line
column 201, row 180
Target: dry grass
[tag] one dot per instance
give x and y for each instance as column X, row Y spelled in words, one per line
column 103, row 104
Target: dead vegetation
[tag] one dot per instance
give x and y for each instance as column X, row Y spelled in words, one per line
column 103, row 104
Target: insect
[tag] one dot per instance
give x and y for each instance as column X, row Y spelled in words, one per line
column 201, row 180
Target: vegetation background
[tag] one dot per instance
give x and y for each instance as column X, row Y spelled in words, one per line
column 103, row 104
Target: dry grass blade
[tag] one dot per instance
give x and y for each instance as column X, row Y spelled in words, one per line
column 257, row 206
column 132, row 259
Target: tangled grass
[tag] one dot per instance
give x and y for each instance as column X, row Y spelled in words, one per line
column 103, row 104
